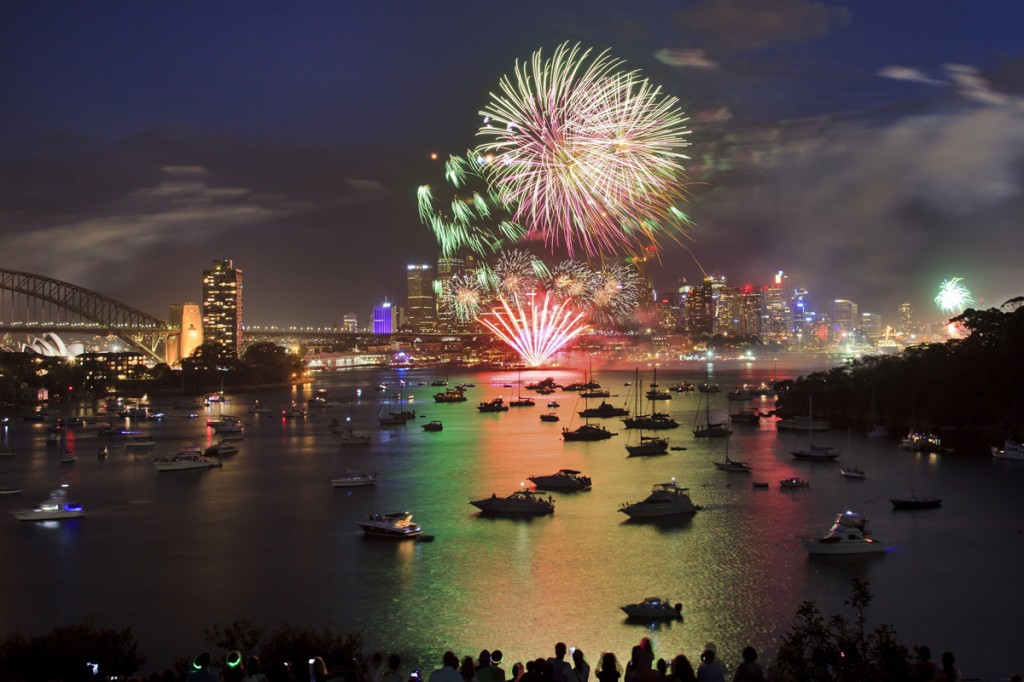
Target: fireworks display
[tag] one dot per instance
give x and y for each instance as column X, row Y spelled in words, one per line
column 584, row 155
column 953, row 297
column 535, row 332
column 515, row 273
column 462, row 296
column 470, row 215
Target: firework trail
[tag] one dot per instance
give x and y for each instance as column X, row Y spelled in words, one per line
column 535, row 332
column 585, row 155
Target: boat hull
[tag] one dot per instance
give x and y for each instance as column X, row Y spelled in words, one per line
column 353, row 481
column 819, row 548
column 916, row 503
column 39, row 515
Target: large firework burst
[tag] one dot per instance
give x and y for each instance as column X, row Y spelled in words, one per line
column 535, row 332
column 585, row 155
column 470, row 216
column 953, row 296
column 462, row 296
column 516, row 272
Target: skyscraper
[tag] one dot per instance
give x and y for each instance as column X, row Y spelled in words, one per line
column 447, row 268
column 350, row 323
column 420, row 307
column 845, row 315
column 906, row 323
column 383, row 317
column 222, row 305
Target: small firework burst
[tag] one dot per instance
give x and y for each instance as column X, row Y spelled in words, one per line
column 953, row 296
column 616, row 293
column 515, row 273
column 573, row 281
column 463, row 296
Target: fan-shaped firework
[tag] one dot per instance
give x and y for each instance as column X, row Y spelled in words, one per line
column 953, row 296
column 515, row 273
column 462, row 296
column 535, row 332
column 585, row 155
column 473, row 218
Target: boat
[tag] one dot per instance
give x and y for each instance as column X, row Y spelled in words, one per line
column 69, row 458
column 681, row 387
column 553, row 404
column 455, row 395
column 814, row 453
column 654, row 608
column 258, row 408
column 852, row 472
column 1013, row 448
column 648, row 445
column 921, row 441
column 596, row 393
column 350, row 438
column 794, row 482
column 220, row 448
column 227, row 426
column 54, row 508
column 732, row 465
column 709, row 388
column 140, row 442
column 189, row 457
column 801, row 423
column 742, row 393
column 496, row 405
column 564, row 479
column 353, row 479
column 709, row 429
column 549, row 417
column 879, row 431
column 587, row 432
column 604, row 410
column 655, row 421
column 393, row 525
column 916, row 502
column 846, row 536
column 522, row 402
column 544, row 385
column 8, row 489
column 433, row 426
column 746, row 415
column 666, row 499
column 521, row 502
column 655, row 392
column 8, row 452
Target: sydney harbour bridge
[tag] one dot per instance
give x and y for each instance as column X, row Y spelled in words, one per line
column 32, row 305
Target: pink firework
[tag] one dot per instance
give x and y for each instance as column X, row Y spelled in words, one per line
column 536, row 332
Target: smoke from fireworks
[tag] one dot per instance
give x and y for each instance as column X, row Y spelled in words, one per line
column 585, row 155
column 535, row 332
column 953, row 296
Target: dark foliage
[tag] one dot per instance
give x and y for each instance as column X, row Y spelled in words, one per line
column 65, row 653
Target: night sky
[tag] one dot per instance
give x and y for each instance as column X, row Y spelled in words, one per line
column 870, row 149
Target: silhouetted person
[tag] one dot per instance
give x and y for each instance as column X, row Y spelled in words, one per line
column 449, row 670
column 948, row 672
column 749, row 670
column 609, row 670
column 560, row 667
column 707, row 671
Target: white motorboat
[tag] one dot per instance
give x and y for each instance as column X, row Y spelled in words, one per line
column 852, row 472
column 393, row 525
column 564, row 479
column 55, row 507
column 353, row 479
column 846, row 536
column 1013, row 448
column 221, row 448
column 190, row 457
column 654, row 608
column 666, row 499
column 227, row 426
column 521, row 502
column 140, row 442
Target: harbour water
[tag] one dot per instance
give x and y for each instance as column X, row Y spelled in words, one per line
column 267, row 539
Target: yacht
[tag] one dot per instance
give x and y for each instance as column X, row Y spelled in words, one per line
column 846, row 536
column 683, row 387
column 666, row 499
column 920, row 441
column 455, row 395
column 709, row 388
column 1013, row 448
column 657, row 394
column 227, row 426
column 604, row 410
column 816, row 453
column 746, row 415
column 564, row 479
column 648, row 445
column 852, row 472
column 522, row 402
column 55, row 507
column 393, row 525
column 433, row 426
column 496, row 405
column 652, row 422
column 189, row 457
column 353, row 479
column 801, row 423
column 742, row 393
column 549, row 417
column 220, row 448
column 587, row 432
column 794, row 482
column 731, row 465
column 258, row 408
column 654, row 608
column 521, row 502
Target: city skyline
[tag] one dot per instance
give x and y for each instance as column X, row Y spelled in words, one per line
column 871, row 152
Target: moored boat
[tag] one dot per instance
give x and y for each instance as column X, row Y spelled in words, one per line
column 587, row 432
column 433, row 426
column 549, row 417
column 603, row 411
column 189, row 457
column 392, row 525
column 794, row 482
column 353, row 479
column 564, row 479
column 496, row 405
column 54, row 508
column 1013, row 448
column 666, row 499
column 916, row 502
column 654, row 608
column 846, row 536
column 521, row 502
column 648, row 445
column 852, row 472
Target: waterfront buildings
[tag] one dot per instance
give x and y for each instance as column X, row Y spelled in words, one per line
column 222, row 305
column 350, row 323
column 386, row 318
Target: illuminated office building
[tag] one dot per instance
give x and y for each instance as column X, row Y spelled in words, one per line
column 420, row 308
column 845, row 315
column 222, row 305
column 350, row 323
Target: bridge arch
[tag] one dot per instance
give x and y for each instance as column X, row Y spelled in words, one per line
column 136, row 328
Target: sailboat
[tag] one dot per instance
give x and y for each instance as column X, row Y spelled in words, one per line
column 732, row 465
column 709, row 429
column 815, row 453
column 646, row 445
column 520, row 401
column 387, row 417
column 586, row 431
column 915, row 501
column 877, row 430
column 656, row 393
column 652, row 420
column 352, row 479
column 851, row 471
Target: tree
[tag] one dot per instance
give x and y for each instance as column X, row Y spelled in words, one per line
column 65, row 652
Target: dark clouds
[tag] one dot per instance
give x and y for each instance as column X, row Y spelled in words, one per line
column 756, row 24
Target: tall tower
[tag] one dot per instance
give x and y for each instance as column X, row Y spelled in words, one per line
column 222, row 305
column 188, row 318
column 446, row 269
column 383, row 318
column 420, row 307
column 906, row 324
column 845, row 315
